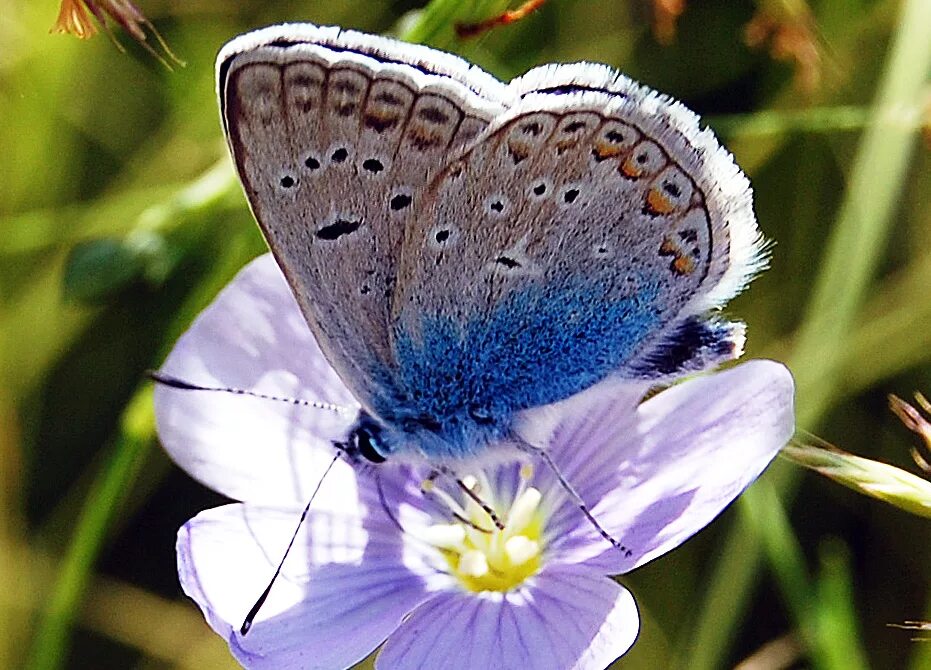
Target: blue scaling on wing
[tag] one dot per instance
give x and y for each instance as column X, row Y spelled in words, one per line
column 463, row 383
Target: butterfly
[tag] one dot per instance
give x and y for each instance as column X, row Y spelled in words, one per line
column 465, row 250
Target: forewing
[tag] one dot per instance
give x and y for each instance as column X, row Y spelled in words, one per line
column 335, row 135
column 586, row 234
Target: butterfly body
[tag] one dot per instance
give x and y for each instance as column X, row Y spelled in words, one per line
column 465, row 250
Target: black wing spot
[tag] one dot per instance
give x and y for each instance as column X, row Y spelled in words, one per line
column 365, row 289
column 573, row 127
column 343, row 86
column 312, row 163
column 303, row 81
column 497, row 206
column 539, row 189
column 688, row 341
column 287, row 181
column 507, row 262
column 571, row 195
column 340, row 155
column 373, row 165
column 433, row 115
column 379, row 124
column 338, row 228
column 400, row 201
column 614, row 136
column 689, row 235
column 532, row 128
column 442, row 235
column 672, row 189
column 642, row 157
column 389, row 99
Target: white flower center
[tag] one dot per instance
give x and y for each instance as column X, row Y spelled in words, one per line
column 480, row 555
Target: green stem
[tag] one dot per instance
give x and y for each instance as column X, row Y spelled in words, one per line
column 103, row 503
column 112, row 486
column 855, row 247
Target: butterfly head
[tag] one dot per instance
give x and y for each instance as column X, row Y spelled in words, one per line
column 364, row 443
column 463, row 434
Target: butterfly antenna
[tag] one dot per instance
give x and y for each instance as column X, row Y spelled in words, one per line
column 568, row 488
column 250, row 617
column 176, row 383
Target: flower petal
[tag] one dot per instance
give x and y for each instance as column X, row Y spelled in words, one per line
column 346, row 584
column 566, row 617
column 656, row 478
column 253, row 337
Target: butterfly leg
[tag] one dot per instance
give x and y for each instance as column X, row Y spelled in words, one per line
column 543, row 455
column 470, row 493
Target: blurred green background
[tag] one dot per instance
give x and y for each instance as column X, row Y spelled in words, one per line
column 120, row 219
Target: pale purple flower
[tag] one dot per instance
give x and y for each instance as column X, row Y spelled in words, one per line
column 440, row 592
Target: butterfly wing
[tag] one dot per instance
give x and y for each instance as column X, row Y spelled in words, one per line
column 335, row 135
column 585, row 235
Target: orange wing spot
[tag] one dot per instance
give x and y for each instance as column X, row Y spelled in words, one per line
column 422, row 139
column 380, row 121
column 603, row 151
column 518, row 151
column 630, row 169
column 657, row 203
column 565, row 145
column 683, row 265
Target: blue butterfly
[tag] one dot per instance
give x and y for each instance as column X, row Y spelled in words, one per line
column 464, row 249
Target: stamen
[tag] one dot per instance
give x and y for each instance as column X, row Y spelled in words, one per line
column 484, row 484
column 483, row 560
column 446, row 536
column 523, row 510
column 526, row 474
column 473, row 564
column 520, row 549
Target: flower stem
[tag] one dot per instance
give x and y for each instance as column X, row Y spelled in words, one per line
column 103, row 504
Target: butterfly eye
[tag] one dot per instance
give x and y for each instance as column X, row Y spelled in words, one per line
column 364, row 442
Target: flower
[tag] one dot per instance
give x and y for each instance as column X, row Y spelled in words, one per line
column 74, row 18
column 390, row 555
